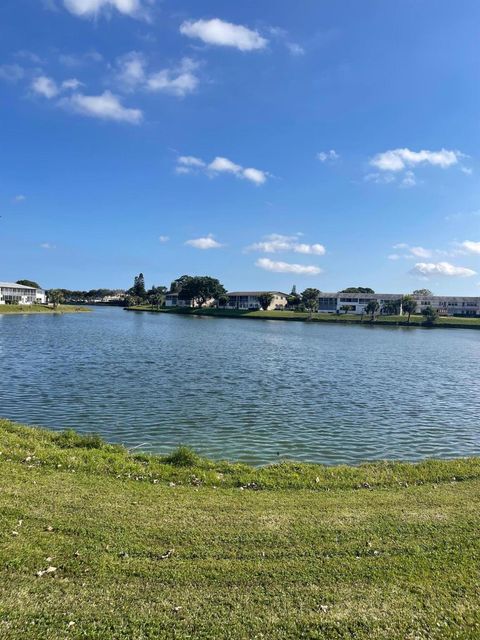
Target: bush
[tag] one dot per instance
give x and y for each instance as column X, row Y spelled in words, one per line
column 182, row 457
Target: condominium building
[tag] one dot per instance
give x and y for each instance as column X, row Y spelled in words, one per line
column 250, row 300
column 12, row 293
column 450, row 305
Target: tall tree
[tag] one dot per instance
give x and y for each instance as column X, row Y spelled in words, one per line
column 55, row 296
column 310, row 299
column 372, row 308
column 265, row 300
column 201, row 289
column 392, row 307
column 357, row 290
column 29, row 283
column 422, row 292
column 409, row 306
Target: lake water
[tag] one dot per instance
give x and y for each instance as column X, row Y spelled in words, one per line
column 256, row 391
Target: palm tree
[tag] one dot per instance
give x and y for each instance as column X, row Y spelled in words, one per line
column 409, row 305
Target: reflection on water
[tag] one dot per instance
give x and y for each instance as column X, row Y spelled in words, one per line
column 250, row 390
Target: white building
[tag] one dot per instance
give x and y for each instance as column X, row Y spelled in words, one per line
column 173, row 300
column 12, row 293
column 450, row 305
column 250, row 300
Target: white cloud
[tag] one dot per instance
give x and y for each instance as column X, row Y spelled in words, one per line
column 46, row 87
column 287, row 267
column 190, row 161
column 11, row 72
column 47, row 246
column 163, row 239
column 19, row 198
column 220, row 164
column 420, row 252
column 71, row 83
column 132, row 70
column 91, row 8
column 255, row 175
column 470, row 246
column 427, row 269
column 224, row 165
column 106, row 106
column 276, row 243
column 178, row 81
column 207, row 242
column 226, row 34
column 331, row 155
column 466, row 170
column 400, row 159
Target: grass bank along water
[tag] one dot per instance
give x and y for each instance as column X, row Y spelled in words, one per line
column 296, row 316
column 101, row 542
column 38, row 308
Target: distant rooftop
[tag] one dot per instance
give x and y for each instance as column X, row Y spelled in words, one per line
column 254, row 293
column 15, row 285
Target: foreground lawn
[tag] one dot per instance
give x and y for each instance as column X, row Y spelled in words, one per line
column 97, row 542
column 415, row 321
column 39, row 308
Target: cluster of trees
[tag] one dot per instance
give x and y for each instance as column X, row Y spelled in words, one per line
column 199, row 289
column 139, row 294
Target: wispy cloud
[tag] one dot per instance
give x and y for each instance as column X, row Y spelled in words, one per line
column 11, row 72
column 429, row 269
column 179, row 80
column 45, row 86
column 19, row 198
column 277, row 243
column 92, row 8
column 105, row 106
column 219, row 165
column 400, row 159
column 47, row 246
column 206, row 242
column 328, row 156
column 470, row 246
column 392, row 163
column 287, row 267
column 163, row 239
column 226, row 34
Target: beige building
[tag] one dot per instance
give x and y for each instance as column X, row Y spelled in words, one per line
column 250, row 300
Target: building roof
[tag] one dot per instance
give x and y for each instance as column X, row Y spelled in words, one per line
column 254, row 293
column 14, row 285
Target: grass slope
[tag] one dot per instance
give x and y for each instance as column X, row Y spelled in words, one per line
column 38, row 308
column 146, row 547
column 415, row 321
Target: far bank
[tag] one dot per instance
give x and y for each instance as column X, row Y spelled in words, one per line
column 448, row 322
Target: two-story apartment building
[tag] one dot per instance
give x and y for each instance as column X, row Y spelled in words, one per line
column 13, row 293
column 250, row 300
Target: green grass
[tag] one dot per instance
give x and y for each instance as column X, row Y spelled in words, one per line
column 40, row 308
column 149, row 547
column 401, row 321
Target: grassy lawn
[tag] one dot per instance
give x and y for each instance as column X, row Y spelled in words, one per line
column 416, row 321
column 180, row 547
column 40, row 308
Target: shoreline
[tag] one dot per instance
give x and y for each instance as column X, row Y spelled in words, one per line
column 51, row 446
column 99, row 542
column 447, row 322
column 27, row 309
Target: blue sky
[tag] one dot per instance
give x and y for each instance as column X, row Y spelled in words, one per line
column 265, row 142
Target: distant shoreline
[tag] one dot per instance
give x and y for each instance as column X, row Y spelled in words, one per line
column 297, row 316
column 30, row 309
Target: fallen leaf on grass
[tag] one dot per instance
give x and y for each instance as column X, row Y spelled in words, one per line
column 42, row 572
column 167, row 554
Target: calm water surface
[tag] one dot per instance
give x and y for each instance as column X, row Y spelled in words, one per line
column 249, row 390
